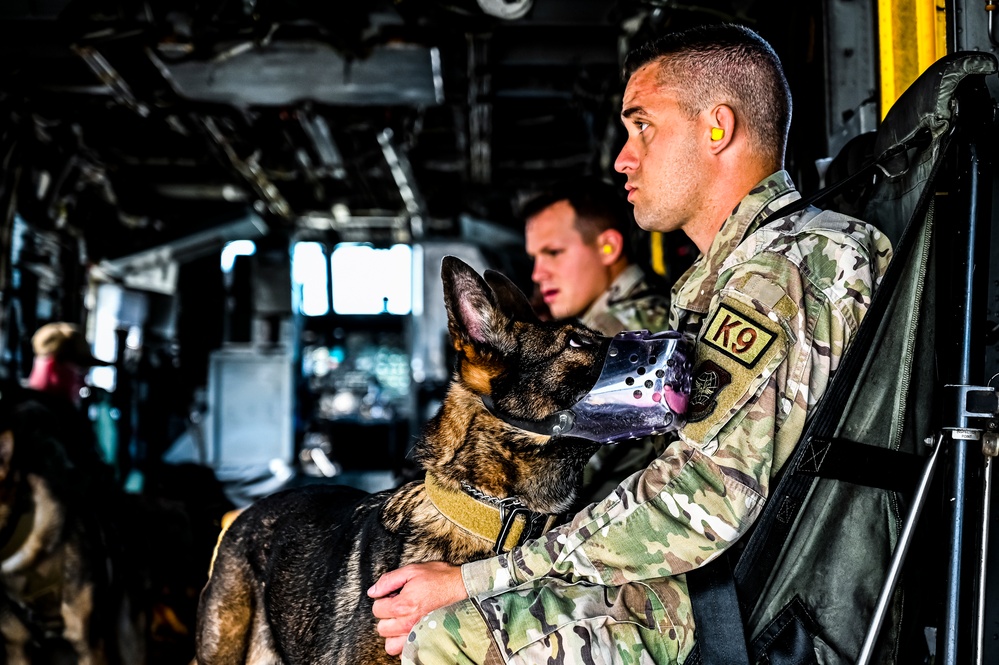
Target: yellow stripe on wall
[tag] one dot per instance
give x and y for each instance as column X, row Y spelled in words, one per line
column 912, row 35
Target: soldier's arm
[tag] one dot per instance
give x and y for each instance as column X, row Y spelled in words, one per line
column 686, row 507
column 768, row 347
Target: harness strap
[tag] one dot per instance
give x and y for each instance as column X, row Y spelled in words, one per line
column 553, row 425
column 861, row 464
column 713, row 596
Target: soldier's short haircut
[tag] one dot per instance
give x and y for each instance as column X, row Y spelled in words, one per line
column 598, row 204
column 724, row 63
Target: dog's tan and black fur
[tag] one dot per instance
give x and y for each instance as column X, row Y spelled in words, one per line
column 288, row 584
column 59, row 602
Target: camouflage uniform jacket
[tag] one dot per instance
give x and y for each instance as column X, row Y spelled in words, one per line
column 629, row 304
column 774, row 307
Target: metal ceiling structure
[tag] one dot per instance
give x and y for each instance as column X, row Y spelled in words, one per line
column 139, row 122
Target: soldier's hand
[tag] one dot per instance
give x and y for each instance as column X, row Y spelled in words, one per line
column 406, row 595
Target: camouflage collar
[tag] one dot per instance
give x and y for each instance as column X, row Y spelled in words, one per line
column 693, row 291
column 505, row 523
column 626, row 282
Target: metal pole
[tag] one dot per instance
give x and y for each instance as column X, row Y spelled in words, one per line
column 959, row 448
column 977, row 654
column 898, row 557
column 959, row 451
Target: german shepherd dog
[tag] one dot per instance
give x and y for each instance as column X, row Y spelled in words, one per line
column 58, row 602
column 288, row 582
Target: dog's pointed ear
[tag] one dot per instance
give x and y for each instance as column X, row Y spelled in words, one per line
column 6, row 452
column 474, row 315
column 510, row 298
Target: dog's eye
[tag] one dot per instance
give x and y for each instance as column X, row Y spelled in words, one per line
column 576, row 342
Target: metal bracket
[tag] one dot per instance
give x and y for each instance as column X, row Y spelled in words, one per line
column 990, row 444
column 972, row 401
column 508, row 515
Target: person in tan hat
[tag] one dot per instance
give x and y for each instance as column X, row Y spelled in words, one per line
column 62, row 358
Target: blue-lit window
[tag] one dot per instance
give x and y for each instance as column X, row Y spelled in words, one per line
column 372, row 281
column 309, row 275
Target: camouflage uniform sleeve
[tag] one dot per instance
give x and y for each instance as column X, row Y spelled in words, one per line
column 650, row 313
column 773, row 336
column 649, row 310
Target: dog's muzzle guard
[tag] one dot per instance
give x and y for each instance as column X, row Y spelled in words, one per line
column 643, row 389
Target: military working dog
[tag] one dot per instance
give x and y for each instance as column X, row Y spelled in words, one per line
column 61, row 600
column 288, row 582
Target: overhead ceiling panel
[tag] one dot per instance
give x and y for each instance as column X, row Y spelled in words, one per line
column 285, row 73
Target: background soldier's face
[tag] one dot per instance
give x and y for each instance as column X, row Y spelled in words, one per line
column 569, row 272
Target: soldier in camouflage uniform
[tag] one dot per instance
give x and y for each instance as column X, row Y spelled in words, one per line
column 774, row 303
column 578, row 234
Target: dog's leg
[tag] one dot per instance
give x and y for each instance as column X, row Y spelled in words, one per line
column 15, row 639
column 77, row 609
column 226, row 610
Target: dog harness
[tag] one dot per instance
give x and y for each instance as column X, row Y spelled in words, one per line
column 504, row 522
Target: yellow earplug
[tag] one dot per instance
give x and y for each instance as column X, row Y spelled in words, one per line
column 717, row 133
column 607, row 248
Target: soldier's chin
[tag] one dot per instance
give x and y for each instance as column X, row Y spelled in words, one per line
column 643, row 219
column 560, row 311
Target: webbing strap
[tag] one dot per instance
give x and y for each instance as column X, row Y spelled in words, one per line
column 715, row 604
column 861, row 464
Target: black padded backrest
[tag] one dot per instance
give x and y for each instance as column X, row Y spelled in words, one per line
column 804, row 513
column 912, row 135
column 929, row 102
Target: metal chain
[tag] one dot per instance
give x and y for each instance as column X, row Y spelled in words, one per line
column 491, row 500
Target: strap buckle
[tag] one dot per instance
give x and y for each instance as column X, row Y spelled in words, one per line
column 510, row 508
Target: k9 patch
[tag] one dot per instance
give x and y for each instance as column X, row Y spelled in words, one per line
column 738, row 336
column 738, row 349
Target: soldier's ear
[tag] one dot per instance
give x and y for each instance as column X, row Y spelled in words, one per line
column 721, row 127
column 610, row 246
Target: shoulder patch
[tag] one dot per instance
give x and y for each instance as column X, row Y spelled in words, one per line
column 736, row 354
column 709, row 380
column 740, row 337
